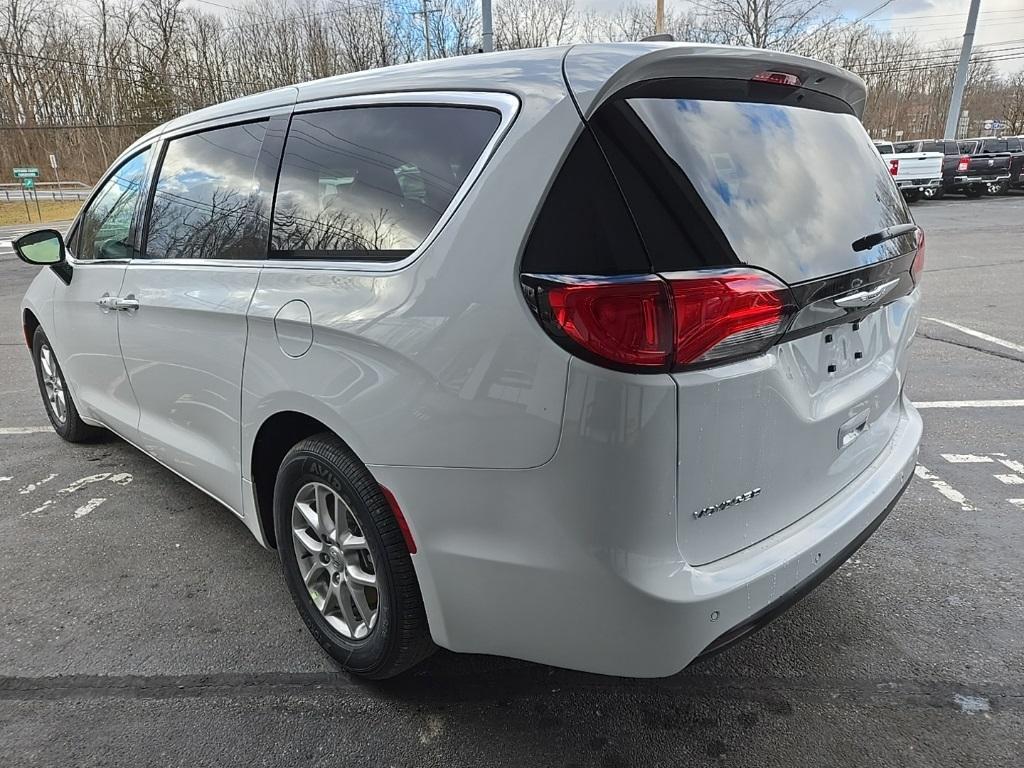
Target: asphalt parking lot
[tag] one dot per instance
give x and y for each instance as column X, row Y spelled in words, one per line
column 141, row 625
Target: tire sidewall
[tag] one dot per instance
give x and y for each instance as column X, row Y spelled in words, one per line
column 61, row 428
column 361, row 656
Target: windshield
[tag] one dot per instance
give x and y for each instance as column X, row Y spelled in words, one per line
column 791, row 188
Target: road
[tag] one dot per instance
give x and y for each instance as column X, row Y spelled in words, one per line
column 149, row 629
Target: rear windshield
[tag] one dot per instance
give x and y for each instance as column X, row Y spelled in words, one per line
column 994, row 145
column 790, row 187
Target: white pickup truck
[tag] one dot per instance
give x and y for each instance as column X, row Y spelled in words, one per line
column 912, row 172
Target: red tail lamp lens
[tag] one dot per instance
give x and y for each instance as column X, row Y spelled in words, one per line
column 659, row 323
column 777, row 78
column 727, row 315
column 918, row 266
column 627, row 322
column 964, row 164
column 894, row 167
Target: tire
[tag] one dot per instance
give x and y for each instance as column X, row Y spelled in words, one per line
column 912, row 197
column 972, row 192
column 394, row 636
column 997, row 189
column 934, row 193
column 60, row 406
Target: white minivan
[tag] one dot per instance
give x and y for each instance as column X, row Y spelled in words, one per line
column 592, row 356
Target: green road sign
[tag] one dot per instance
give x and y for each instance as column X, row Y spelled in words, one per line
column 26, row 173
column 28, row 182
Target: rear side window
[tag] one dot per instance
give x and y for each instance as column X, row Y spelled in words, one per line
column 952, row 148
column 205, row 205
column 932, row 146
column 584, row 226
column 783, row 187
column 372, row 182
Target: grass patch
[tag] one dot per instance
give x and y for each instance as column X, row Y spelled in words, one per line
column 51, row 210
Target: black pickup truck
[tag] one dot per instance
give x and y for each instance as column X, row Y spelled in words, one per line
column 965, row 170
column 994, row 151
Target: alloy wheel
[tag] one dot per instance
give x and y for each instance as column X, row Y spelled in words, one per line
column 335, row 561
column 53, row 383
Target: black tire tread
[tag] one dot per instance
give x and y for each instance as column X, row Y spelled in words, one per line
column 409, row 642
column 74, row 430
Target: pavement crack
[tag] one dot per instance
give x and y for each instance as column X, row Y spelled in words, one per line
column 967, row 345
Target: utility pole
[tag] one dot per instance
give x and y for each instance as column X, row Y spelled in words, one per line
column 425, row 13
column 485, row 23
column 956, row 100
column 659, row 17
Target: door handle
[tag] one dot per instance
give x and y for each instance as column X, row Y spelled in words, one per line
column 128, row 304
column 106, row 302
column 865, row 298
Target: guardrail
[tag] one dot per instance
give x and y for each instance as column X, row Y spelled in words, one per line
column 45, row 190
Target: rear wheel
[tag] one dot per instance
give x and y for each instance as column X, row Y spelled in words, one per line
column 934, row 193
column 972, row 192
column 346, row 562
column 997, row 188
column 60, row 407
column 912, row 196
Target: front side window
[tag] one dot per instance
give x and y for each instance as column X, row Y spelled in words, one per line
column 371, row 182
column 106, row 229
column 206, row 205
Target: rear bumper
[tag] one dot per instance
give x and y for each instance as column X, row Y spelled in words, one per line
column 566, row 566
column 919, row 183
column 984, row 178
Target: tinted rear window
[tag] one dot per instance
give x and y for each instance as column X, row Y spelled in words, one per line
column 994, row 145
column 790, row 188
column 371, row 182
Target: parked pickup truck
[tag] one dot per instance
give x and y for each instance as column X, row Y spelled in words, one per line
column 913, row 173
column 950, row 151
column 987, row 149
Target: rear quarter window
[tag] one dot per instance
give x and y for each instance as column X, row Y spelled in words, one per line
column 370, row 183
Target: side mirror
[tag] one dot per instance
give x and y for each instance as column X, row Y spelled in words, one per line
column 44, row 247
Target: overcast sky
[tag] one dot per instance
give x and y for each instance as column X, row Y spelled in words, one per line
column 1000, row 25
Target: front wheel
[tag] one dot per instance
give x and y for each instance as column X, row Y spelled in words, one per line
column 60, row 407
column 346, row 562
column 934, row 193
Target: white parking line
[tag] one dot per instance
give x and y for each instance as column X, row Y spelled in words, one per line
column 965, row 458
column 1017, row 502
column 88, row 507
column 971, row 404
column 1010, row 479
column 24, row 430
column 944, row 488
column 1016, row 466
column 978, row 334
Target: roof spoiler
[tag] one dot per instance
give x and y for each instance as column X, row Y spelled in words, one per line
column 595, row 72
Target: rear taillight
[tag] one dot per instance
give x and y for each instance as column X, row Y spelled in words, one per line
column 964, row 164
column 918, row 266
column 894, row 167
column 731, row 314
column 651, row 323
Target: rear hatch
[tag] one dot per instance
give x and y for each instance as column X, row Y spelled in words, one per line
column 919, row 166
column 764, row 173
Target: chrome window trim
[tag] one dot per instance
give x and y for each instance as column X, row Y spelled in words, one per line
column 505, row 104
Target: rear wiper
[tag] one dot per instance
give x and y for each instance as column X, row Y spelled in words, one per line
column 870, row 241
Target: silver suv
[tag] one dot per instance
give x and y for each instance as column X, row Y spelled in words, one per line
column 592, row 356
